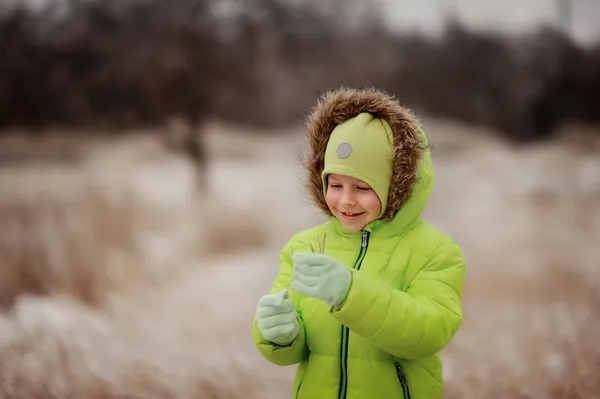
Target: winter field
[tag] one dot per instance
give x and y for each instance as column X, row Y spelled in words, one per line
column 119, row 281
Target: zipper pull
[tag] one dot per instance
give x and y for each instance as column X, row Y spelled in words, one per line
column 364, row 238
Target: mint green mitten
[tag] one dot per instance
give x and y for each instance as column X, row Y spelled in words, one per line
column 321, row 276
column 276, row 318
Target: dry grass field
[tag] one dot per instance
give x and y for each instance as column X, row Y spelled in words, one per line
column 118, row 281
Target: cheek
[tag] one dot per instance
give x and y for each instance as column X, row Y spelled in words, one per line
column 371, row 203
column 331, row 198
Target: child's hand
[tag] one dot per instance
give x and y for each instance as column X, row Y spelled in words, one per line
column 321, row 276
column 276, row 318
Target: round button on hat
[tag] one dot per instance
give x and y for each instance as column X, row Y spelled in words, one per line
column 344, row 150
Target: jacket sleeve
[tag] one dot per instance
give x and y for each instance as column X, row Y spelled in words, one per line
column 413, row 324
column 296, row 351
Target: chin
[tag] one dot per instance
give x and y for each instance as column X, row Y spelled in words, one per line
column 353, row 228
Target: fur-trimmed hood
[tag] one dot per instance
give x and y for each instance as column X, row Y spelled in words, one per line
column 410, row 143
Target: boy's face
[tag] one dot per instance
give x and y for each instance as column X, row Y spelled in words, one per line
column 352, row 201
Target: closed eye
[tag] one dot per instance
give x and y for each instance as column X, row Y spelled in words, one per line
column 364, row 188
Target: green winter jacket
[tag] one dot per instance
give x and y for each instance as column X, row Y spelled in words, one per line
column 404, row 304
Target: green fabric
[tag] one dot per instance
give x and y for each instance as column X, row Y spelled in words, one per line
column 370, row 158
column 404, row 306
column 321, row 276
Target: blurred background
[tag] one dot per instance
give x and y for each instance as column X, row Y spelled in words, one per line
column 150, row 173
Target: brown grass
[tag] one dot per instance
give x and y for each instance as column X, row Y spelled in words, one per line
column 532, row 301
column 91, row 311
column 52, row 248
column 88, row 311
column 540, row 342
column 70, row 236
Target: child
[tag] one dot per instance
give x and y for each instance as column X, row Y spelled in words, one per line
column 367, row 309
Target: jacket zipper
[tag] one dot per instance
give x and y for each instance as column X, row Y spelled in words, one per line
column 345, row 331
column 402, row 378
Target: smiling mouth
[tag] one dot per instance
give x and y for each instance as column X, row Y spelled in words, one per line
column 350, row 214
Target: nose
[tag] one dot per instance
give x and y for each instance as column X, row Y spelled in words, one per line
column 348, row 197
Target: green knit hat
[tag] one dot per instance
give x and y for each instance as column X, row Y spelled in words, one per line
column 362, row 147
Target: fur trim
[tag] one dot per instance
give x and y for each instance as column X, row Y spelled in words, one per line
column 344, row 103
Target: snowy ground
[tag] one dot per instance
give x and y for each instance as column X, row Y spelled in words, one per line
column 172, row 308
